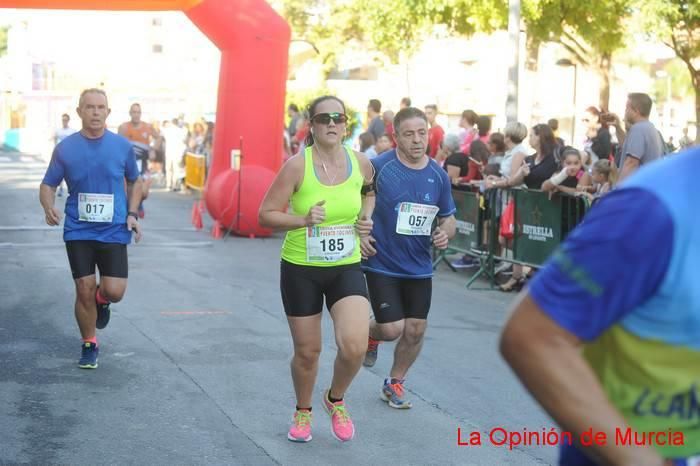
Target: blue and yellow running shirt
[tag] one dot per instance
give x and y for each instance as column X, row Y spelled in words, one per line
column 407, row 201
column 94, row 170
column 625, row 282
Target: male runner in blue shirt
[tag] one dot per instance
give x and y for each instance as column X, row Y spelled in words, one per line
column 410, row 192
column 100, row 214
column 607, row 337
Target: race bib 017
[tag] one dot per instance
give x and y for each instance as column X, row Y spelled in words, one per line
column 415, row 219
column 330, row 243
column 95, row 207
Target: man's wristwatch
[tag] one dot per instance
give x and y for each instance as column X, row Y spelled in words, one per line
column 133, row 214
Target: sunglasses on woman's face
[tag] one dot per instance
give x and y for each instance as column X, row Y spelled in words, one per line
column 325, row 118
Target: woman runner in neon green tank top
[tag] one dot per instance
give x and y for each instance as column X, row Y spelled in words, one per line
column 321, row 259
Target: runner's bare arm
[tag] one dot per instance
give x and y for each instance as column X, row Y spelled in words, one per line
column 273, row 210
column 448, row 225
column 548, row 360
column 134, row 193
column 364, row 219
column 366, row 167
column 47, row 198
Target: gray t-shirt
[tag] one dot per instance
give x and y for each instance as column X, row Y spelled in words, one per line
column 643, row 142
column 376, row 127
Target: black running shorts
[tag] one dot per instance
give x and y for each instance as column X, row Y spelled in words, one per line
column 110, row 258
column 394, row 299
column 303, row 287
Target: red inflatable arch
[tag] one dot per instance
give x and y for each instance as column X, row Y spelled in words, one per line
column 254, row 44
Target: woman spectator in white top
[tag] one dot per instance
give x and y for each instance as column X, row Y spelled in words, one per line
column 532, row 172
column 514, row 135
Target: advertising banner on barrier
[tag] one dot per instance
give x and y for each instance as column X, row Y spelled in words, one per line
column 468, row 225
column 538, row 226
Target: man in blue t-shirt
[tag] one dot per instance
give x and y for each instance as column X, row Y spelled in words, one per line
column 410, row 192
column 100, row 214
column 607, row 337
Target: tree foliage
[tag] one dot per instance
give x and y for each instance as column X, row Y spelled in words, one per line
column 328, row 25
column 591, row 31
column 394, row 27
column 3, row 39
column 398, row 26
column 586, row 29
column 677, row 24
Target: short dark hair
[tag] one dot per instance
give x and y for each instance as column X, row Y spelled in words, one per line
column 432, row 107
column 366, row 141
column 406, row 114
column 471, row 116
column 483, row 124
column 567, row 151
column 499, row 142
column 553, row 123
column 641, row 102
column 65, row 115
column 293, row 107
column 375, row 105
column 135, row 104
column 479, row 151
column 406, row 101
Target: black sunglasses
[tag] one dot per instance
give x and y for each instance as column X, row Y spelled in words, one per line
column 325, row 118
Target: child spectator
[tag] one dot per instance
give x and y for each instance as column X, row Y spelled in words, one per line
column 571, row 176
column 383, row 144
column 367, row 145
column 604, row 177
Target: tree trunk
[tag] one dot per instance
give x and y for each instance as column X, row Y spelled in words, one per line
column 604, row 68
column 533, row 53
column 695, row 79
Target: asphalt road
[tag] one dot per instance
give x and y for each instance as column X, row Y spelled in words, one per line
column 194, row 366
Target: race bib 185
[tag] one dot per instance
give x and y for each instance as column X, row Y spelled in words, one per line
column 330, row 243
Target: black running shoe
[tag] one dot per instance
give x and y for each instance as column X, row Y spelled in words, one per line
column 103, row 313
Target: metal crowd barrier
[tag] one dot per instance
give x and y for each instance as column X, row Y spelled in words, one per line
column 542, row 221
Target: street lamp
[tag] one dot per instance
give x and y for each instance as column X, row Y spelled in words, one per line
column 566, row 62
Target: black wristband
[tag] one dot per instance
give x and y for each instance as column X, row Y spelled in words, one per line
column 133, row 214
